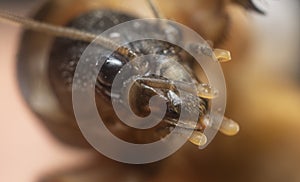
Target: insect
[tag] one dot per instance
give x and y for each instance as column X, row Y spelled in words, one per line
column 46, row 80
column 34, row 81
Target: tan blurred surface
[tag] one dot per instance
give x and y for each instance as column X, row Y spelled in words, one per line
column 27, row 150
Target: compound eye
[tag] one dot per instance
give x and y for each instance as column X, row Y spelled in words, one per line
column 254, row 5
column 258, row 6
column 112, row 65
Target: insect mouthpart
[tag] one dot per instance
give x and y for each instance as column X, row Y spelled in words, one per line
column 159, row 71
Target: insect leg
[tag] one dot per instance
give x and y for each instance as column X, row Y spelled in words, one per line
column 229, row 127
column 222, row 55
column 207, row 50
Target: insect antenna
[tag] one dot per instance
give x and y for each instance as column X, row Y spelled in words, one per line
column 155, row 9
column 60, row 31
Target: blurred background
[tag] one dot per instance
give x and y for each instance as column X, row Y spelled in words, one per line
column 263, row 82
